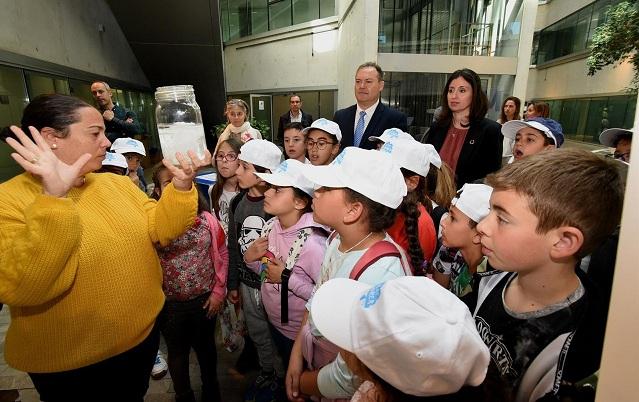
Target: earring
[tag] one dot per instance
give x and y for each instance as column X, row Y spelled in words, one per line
column 54, row 146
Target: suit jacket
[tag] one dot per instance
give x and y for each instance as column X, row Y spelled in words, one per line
column 383, row 118
column 307, row 120
column 480, row 154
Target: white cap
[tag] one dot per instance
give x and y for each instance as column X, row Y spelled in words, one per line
column 261, row 153
column 371, row 173
column 289, row 174
column 473, row 200
column 609, row 137
column 126, row 145
column 327, row 126
column 391, row 134
column 115, row 159
column 413, row 333
column 413, row 155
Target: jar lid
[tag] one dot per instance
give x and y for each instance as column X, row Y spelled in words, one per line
column 174, row 92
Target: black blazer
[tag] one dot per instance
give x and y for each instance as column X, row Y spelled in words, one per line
column 383, row 118
column 307, row 120
column 480, row 154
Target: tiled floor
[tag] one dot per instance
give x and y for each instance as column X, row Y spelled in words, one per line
column 159, row 390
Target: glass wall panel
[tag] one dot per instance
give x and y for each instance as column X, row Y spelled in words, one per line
column 258, row 10
column 327, row 8
column 39, row 84
column 240, row 18
column 13, row 99
column 279, row 13
column 583, row 119
column 82, row 90
column 418, row 95
column 452, row 27
column 305, row 10
column 573, row 33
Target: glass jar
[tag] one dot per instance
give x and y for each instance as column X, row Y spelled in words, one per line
column 179, row 122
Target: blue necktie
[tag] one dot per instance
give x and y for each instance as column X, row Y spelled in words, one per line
column 359, row 129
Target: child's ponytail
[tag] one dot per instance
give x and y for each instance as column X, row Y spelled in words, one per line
column 411, row 213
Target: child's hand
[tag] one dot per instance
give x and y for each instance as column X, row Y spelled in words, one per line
column 274, row 270
column 293, row 374
column 184, row 174
column 212, row 305
column 233, row 296
column 256, row 250
column 133, row 175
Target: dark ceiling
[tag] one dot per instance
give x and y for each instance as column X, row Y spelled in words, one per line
column 178, row 42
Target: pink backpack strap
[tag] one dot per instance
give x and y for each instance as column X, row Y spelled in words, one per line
column 381, row 249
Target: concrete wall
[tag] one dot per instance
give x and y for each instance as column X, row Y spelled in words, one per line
column 570, row 80
column 65, row 32
column 284, row 60
column 358, row 33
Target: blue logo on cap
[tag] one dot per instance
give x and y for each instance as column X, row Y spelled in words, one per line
column 321, row 122
column 132, row 143
column 393, row 133
column 369, row 298
column 387, row 147
column 282, row 168
column 109, row 156
column 338, row 160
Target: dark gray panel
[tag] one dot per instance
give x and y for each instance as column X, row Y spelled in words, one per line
column 178, row 42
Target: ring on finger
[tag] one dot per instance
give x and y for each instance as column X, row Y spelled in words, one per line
column 35, row 159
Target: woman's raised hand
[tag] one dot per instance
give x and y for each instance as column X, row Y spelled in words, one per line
column 57, row 177
column 184, row 174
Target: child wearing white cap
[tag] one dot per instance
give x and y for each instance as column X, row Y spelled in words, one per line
column 427, row 346
column 133, row 150
column 113, row 163
column 460, row 256
column 291, row 252
column 323, row 139
column 413, row 228
column 357, row 196
column 246, row 222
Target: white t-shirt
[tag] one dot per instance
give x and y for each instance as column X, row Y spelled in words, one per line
column 335, row 380
column 225, row 203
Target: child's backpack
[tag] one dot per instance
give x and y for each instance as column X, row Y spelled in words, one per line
column 293, row 255
column 381, row 249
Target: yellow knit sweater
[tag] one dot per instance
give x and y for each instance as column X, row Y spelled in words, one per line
column 80, row 274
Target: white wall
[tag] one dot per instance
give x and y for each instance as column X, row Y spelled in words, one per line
column 570, row 80
column 65, row 32
column 358, row 33
column 282, row 60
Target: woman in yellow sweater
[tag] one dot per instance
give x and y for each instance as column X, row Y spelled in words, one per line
column 78, row 266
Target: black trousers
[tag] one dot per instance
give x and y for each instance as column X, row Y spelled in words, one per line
column 124, row 377
column 283, row 344
column 185, row 326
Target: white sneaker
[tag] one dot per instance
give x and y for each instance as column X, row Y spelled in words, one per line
column 160, row 368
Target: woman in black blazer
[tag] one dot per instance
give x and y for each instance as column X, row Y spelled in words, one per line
column 466, row 140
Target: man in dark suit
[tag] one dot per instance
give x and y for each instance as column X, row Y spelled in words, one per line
column 368, row 116
column 295, row 114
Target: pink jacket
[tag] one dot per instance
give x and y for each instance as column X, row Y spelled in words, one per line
column 219, row 255
column 302, row 280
